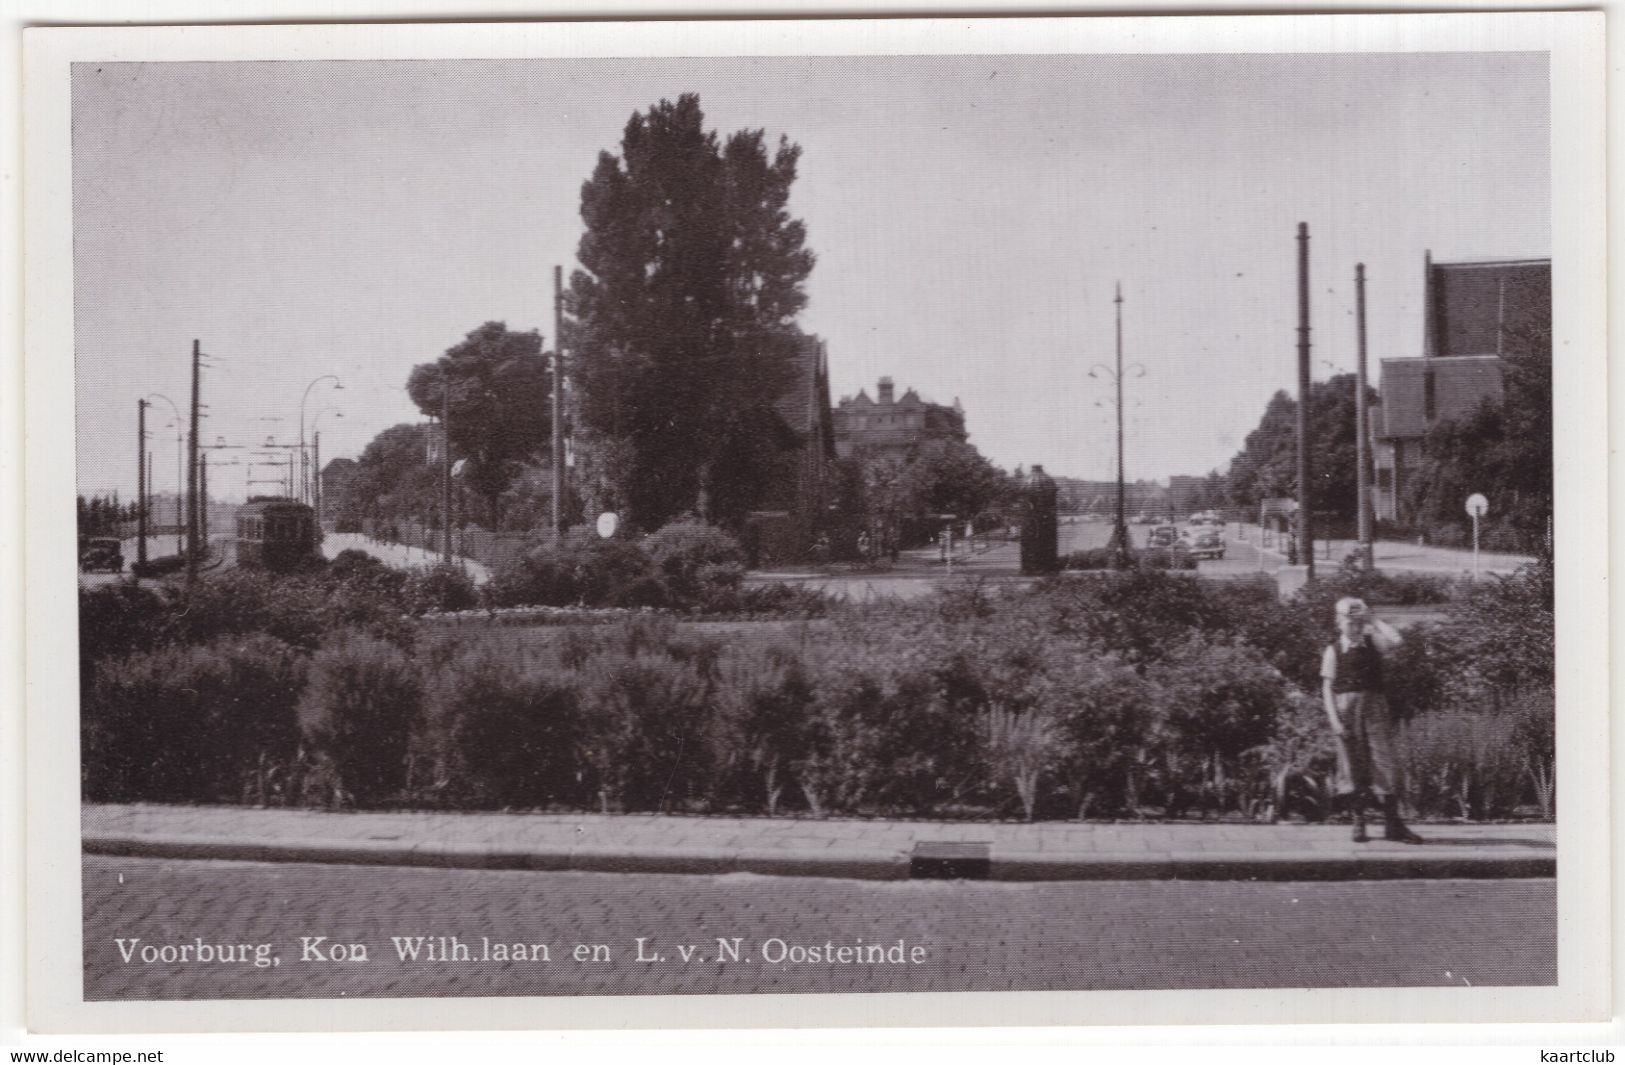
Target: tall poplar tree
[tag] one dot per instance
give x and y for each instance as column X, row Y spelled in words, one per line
column 682, row 317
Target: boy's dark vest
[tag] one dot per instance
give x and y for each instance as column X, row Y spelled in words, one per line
column 1358, row 669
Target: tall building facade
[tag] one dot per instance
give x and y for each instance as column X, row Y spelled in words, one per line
column 1474, row 312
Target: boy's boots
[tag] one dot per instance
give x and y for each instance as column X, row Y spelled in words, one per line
column 1395, row 829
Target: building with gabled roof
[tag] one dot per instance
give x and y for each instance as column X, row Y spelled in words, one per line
column 892, row 427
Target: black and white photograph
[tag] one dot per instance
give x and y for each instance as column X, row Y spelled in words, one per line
column 936, row 509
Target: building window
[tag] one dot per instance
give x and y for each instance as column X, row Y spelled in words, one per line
column 1429, row 397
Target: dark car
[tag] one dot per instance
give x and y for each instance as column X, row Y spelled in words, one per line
column 1205, row 541
column 102, row 553
column 1162, row 536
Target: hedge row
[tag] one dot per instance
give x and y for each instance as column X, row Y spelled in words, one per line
column 1099, row 697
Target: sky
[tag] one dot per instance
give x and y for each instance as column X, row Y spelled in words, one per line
column 971, row 216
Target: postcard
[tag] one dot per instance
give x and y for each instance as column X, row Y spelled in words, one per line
column 842, row 522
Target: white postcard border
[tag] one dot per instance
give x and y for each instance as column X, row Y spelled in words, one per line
column 55, row 955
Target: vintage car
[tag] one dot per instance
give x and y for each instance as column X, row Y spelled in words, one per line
column 1204, row 541
column 1162, row 536
column 102, row 553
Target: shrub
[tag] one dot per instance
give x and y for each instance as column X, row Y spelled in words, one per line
column 241, row 602
column 115, row 620
column 1136, row 613
column 1501, row 637
column 583, row 570
column 1106, row 711
column 700, row 565
column 1460, row 764
column 1218, row 700
column 360, row 706
column 440, row 589
column 642, row 730
column 840, row 769
column 1164, row 558
column 207, row 723
column 1534, row 716
column 763, row 696
column 500, row 732
column 1091, row 558
column 358, row 570
column 540, row 577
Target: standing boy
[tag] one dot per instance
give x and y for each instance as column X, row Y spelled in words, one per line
column 1357, row 707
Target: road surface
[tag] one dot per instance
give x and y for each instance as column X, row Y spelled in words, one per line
column 326, row 931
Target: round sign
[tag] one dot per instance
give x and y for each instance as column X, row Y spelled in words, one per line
column 608, row 522
column 1477, row 505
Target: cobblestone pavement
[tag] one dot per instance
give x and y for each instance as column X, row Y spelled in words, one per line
column 937, row 935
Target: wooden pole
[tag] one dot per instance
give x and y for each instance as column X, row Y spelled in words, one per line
column 141, row 482
column 191, row 474
column 445, row 468
column 558, row 402
column 1362, row 429
column 1306, row 535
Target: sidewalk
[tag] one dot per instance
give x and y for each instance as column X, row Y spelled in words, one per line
column 399, row 556
column 870, row 850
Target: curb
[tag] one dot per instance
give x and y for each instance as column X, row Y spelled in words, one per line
column 844, row 865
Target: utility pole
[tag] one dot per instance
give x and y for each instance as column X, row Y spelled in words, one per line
column 203, row 499
column 1120, row 530
column 141, row 482
column 445, row 468
column 1306, row 536
column 191, row 475
column 1362, row 457
column 558, row 402
column 316, row 481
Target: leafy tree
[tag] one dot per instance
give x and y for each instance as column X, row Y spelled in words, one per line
column 1267, row 465
column 391, row 481
column 1502, row 448
column 683, row 315
column 952, row 477
column 498, row 396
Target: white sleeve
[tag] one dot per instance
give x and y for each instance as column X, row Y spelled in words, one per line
column 1328, row 663
column 1384, row 635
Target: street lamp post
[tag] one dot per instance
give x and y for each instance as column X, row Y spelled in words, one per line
column 304, row 488
column 180, row 446
column 1120, row 539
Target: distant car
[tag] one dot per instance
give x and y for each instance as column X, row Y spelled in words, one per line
column 1162, row 536
column 102, row 553
column 162, row 566
column 1205, row 542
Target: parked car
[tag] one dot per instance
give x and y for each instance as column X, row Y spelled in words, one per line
column 1205, row 542
column 162, row 566
column 1162, row 536
column 102, row 553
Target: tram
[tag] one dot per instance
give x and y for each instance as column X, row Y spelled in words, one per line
column 277, row 534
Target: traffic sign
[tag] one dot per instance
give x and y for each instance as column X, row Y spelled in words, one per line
column 608, row 522
column 1477, row 505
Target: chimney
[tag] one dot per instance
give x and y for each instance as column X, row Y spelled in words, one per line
column 885, row 391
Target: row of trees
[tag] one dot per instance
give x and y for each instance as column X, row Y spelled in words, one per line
column 1266, row 466
column 103, row 515
column 680, row 329
column 681, row 336
column 1502, row 447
